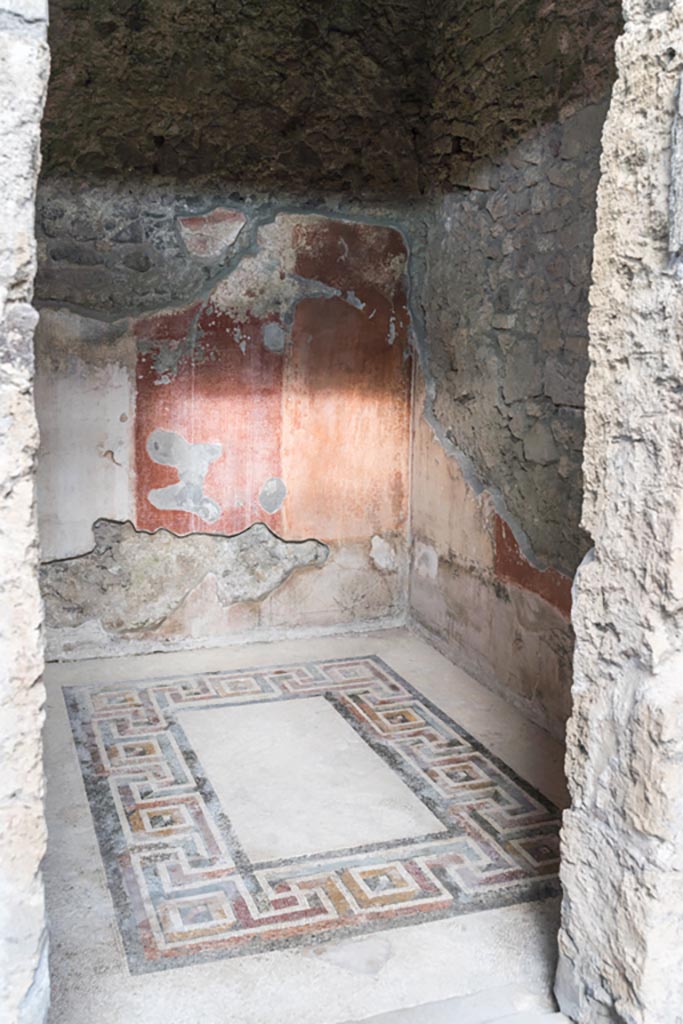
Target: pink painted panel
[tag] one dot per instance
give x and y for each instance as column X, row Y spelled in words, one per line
column 511, row 565
column 220, row 415
column 347, row 386
column 225, row 391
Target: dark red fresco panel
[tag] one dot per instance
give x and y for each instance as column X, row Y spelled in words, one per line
column 221, row 393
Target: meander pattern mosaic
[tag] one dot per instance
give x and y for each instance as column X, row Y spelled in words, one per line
column 185, row 890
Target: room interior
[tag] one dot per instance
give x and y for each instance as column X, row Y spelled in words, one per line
column 313, row 294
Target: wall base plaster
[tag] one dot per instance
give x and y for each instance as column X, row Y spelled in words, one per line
column 492, row 617
column 137, row 592
column 133, row 581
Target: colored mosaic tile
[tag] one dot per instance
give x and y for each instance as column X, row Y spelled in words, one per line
column 183, row 886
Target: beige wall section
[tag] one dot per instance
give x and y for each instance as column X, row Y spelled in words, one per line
column 506, row 636
column 174, row 595
column 621, row 941
column 23, row 948
column 85, row 398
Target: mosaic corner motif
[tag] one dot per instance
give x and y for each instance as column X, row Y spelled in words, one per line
column 183, row 887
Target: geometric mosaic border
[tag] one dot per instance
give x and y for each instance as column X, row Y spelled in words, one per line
column 183, row 887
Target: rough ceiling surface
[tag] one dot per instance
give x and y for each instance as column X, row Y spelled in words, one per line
column 371, row 99
column 286, row 94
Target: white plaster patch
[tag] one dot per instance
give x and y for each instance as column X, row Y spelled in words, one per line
column 192, row 462
column 274, row 337
column 383, row 554
column 425, row 560
column 272, row 495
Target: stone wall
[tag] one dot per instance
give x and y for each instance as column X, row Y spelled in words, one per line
column 506, row 303
column 505, row 300
column 24, row 987
column 622, row 851
column 205, row 366
column 501, row 69
column 518, row 100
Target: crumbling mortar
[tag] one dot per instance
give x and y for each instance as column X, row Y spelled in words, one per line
column 260, row 213
column 183, row 536
column 113, row 559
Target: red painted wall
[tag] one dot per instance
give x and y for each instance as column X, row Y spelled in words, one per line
column 329, row 414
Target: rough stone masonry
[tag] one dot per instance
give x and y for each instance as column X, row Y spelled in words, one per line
column 24, row 984
column 285, row 95
column 518, row 96
column 622, row 851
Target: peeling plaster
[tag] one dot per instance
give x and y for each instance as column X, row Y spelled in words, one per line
column 265, row 284
column 132, row 581
column 272, row 390
column 211, row 235
column 383, row 555
column 192, row 462
column 273, row 494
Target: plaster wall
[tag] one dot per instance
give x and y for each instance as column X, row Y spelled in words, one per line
column 24, row 985
column 263, row 379
column 475, row 595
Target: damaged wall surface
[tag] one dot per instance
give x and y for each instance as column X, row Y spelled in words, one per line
column 506, row 311
column 518, row 104
column 498, row 72
column 476, row 594
column 189, row 302
column 519, row 99
column 131, row 582
column 24, row 983
column 277, row 393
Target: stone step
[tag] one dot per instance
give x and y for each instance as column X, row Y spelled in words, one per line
column 505, row 1005
column 532, row 1017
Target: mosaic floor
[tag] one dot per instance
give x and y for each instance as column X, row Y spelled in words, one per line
column 314, row 801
